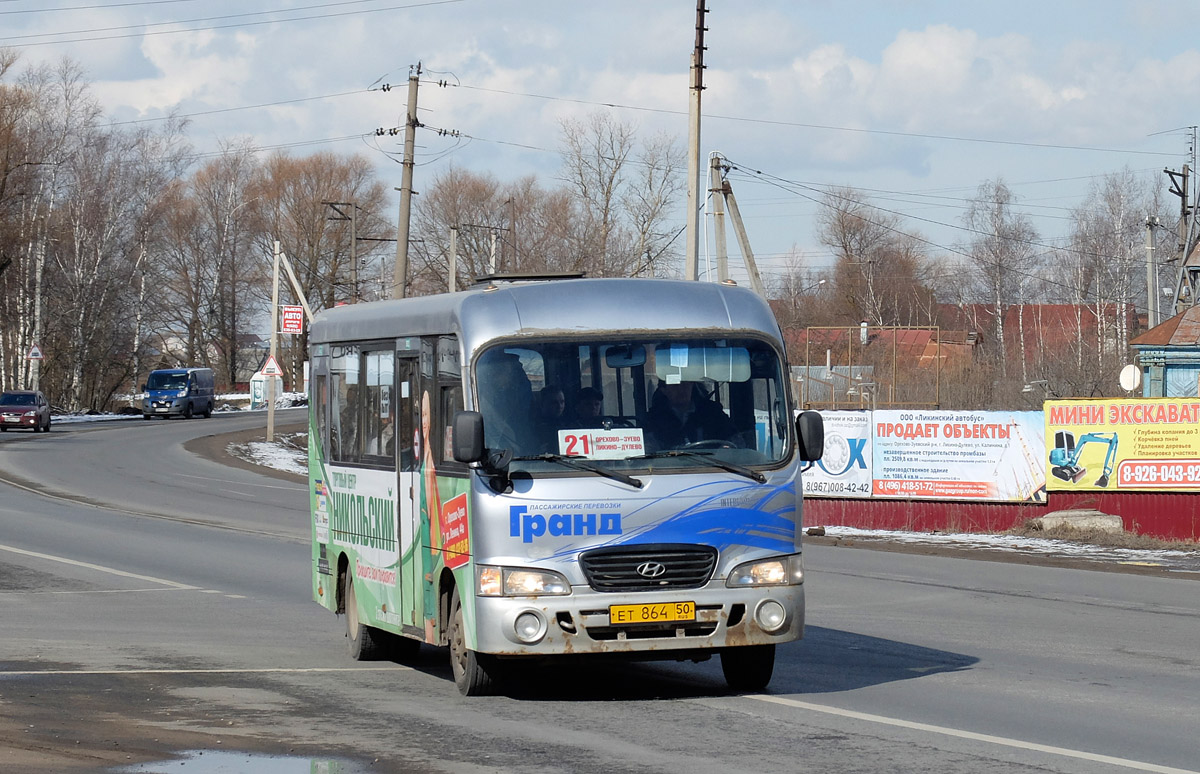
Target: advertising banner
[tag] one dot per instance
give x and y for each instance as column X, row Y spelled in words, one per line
column 844, row 469
column 1148, row 444
column 293, row 319
column 950, row 455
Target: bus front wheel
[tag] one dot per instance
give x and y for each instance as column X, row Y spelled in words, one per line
column 364, row 642
column 748, row 668
column 471, row 669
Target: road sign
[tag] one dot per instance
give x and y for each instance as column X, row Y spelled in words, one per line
column 35, row 353
column 271, row 367
column 293, row 319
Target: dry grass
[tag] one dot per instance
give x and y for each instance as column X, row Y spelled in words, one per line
column 1098, row 537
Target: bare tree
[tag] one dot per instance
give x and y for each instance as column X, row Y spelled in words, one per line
column 520, row 227
column 595, row 155
column 1002, row 248
column 623, row 196
column 879, row 269
column 227, row 215
column 292, row 205
column 648, row 201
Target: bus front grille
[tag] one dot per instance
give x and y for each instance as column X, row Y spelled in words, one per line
column 648, row 567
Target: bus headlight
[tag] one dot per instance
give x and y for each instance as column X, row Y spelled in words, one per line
column 780, row 571
column 770, row 616
column 520, row 582
column 529, row 627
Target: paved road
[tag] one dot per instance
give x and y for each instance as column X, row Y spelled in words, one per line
column 127, row 637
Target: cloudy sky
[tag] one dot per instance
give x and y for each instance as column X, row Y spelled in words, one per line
column 916, row 101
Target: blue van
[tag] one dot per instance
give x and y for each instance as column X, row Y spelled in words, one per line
column 178, row 392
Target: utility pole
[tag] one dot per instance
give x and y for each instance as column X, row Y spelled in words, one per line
column 1186, row 284
column 274, row 339
column 452, row 269
column 739, row 228
column 723, row 198
column 492, row 251
column 353, row 218
column 400, row 275
column 1151, row 278
column 718, row 205
column 692, row 260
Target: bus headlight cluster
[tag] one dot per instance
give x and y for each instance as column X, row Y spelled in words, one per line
column 779, row 571
column 519, row 582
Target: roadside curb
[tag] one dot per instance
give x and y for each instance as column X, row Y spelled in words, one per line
column 216, row 449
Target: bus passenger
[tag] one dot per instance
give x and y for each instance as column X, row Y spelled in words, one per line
column 548, row 419
column 683, row 413
column 589, row 406
column 504, row 397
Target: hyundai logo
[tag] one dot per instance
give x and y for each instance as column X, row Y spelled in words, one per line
column 651, row 569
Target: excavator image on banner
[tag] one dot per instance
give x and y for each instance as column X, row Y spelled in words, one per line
column 1064, row 457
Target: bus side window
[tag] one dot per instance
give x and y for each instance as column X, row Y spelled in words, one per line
column 379, row 447
column 320, row 401
column 450, row 402
column 344, row 407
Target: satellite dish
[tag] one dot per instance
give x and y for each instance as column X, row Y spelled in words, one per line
column 1131, row 378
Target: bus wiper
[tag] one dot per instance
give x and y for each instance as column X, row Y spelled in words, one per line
column 709, row 458
column 572, row 462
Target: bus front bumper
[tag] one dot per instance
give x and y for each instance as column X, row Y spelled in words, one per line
column 590, row 622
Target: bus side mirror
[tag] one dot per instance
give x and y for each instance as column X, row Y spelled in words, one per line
column 467, row 436
column 810, row 434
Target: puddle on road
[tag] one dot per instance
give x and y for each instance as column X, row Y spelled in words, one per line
column 225, row 762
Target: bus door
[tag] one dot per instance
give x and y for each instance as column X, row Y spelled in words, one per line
column 407, row 488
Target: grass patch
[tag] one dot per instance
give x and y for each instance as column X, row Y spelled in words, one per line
column 1097, row 537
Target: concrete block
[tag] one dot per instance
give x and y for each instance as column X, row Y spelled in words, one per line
column 1081, row 519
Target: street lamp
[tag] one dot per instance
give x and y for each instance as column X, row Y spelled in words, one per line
column 1043, row 383
column 863, row 390
column 813, row 286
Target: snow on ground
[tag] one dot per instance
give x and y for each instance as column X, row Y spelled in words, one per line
column 224, row 402
column 280, row 455
column 1180, row 560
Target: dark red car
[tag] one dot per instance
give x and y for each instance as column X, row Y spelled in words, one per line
column 24, row 408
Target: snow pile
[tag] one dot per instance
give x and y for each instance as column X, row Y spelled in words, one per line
column 280, row 455
column 1165, row 558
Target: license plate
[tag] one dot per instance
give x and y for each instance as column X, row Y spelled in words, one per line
column 659, row 613
column 12, row 419
column 161, row 409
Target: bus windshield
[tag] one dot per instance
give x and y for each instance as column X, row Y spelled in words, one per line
column 634, row 404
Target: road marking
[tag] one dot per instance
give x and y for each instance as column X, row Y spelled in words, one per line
column 289, row 487
column 90, row 566
column 998, row 740
column 274, row 670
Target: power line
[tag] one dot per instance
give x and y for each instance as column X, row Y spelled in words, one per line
column 782, row 183
column 827, row 127
column 234, row 109
column 94, row 7
column 144, row 33
column 280, row 146
column 830, row 192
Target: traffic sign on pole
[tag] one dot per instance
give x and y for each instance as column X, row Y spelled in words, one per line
column 35, row 353
column 271, row 367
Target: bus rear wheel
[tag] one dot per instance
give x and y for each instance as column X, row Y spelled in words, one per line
column 748, row 668
column 365, row 643
column 473, row 672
